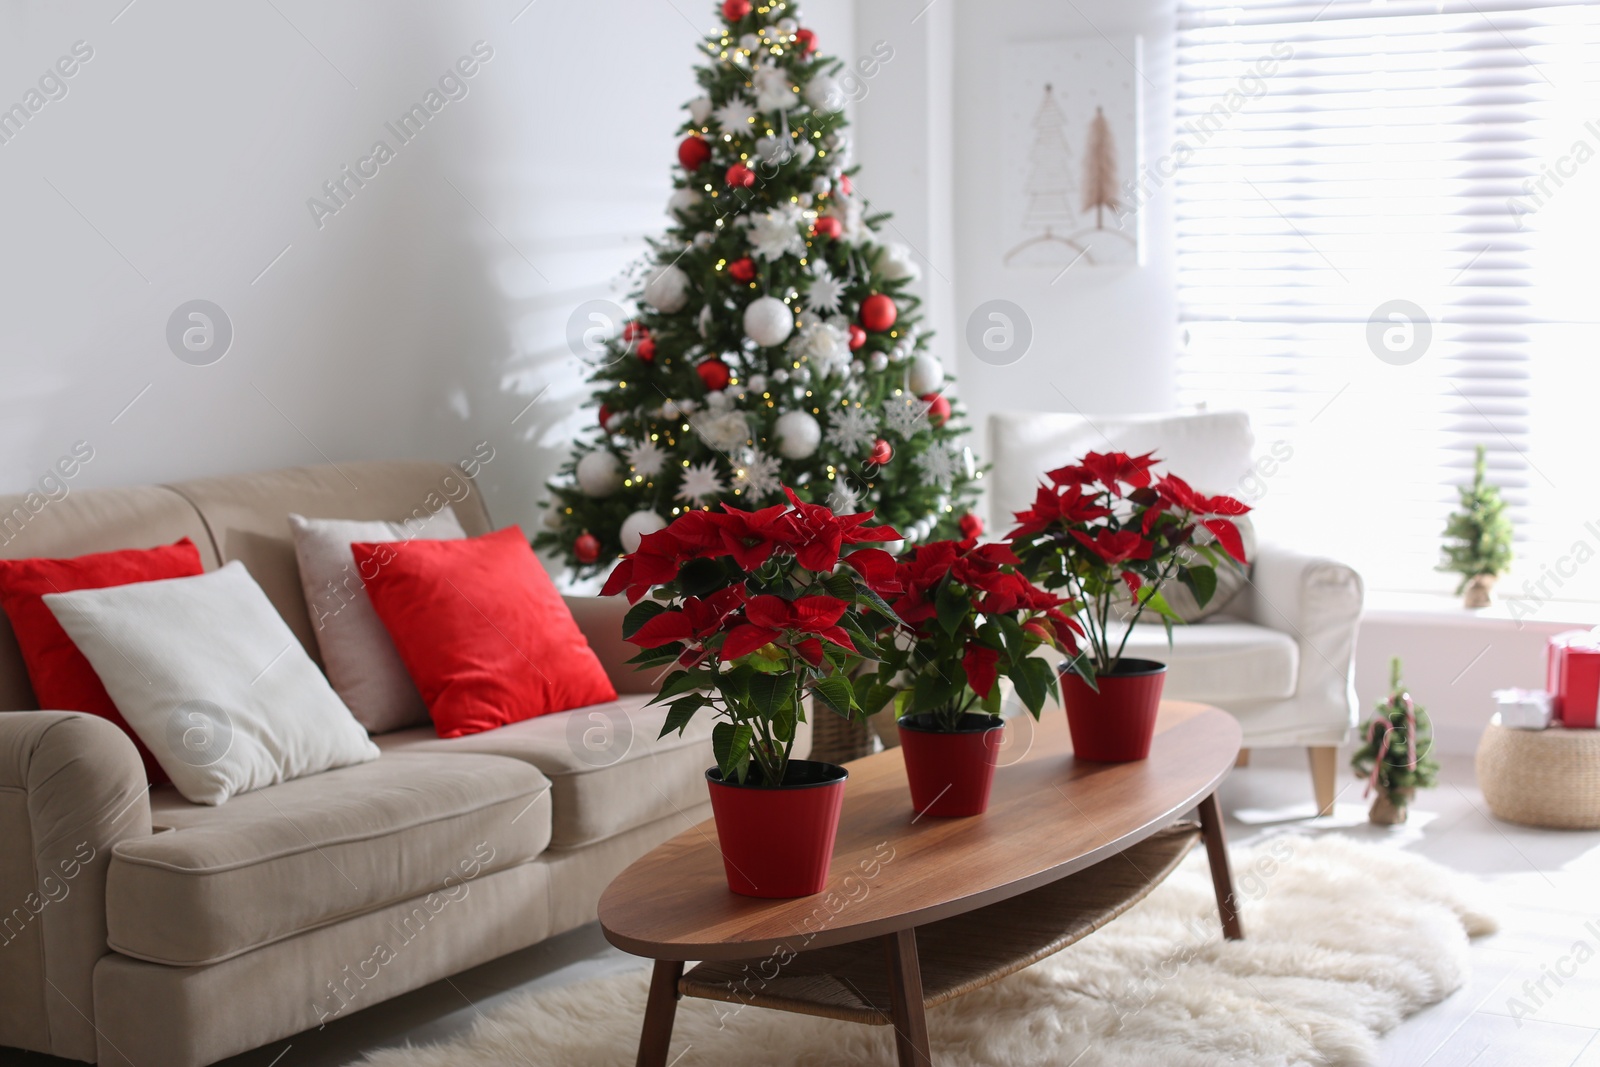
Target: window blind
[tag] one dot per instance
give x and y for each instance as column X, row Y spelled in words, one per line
column 1387, row 224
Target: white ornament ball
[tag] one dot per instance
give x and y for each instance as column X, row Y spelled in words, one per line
column 704, row 321
column 768, row 321
column 780, row 376
column 700, row 110
column 552, row 517
column 824, row 94
column 635, row 526
column 787, row 25
column 926, row 375
column 599, row 473
column 805, row 200
column 757, row 383
column 798, row 434
column 681, row 202
column 703, row 239
column 878, row 361
column 749, row 42
column 667, row 290
column 821, row 185
column 615, row 423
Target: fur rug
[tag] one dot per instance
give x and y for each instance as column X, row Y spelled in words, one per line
column 1343, row 941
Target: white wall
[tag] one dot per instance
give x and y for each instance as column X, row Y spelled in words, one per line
column 423, row 317
column 1104, row 337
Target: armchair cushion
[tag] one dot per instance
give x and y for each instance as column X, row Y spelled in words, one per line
column 1221, row 662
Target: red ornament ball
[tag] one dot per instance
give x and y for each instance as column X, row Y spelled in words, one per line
column 882, row 452
column 646, row 349
column 971, row 526
column 714, row 373
column 858, row 337
column 586, row 547
column 740, row 176
column 826, row 226
column 808, row 41
column 605, row 416
column 938, row 408
column 844, row 184
column 878, row 312
column 634, row 329
column 742, row 270
column 734, row 10
column 693, row 152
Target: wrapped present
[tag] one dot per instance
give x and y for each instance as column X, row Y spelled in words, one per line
column 1523, row 709
column 1572, row 675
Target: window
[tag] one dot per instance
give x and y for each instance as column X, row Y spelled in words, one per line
column 1388, row 245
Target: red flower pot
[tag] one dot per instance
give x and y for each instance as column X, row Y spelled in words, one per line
column 1115, row 724
column 778, row 842
column 950, row 773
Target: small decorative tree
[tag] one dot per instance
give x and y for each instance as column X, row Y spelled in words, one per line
column 1396, row 753
column 1478, row 537
column 1100, row 170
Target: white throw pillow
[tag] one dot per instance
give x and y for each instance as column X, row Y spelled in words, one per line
column 360, row 657
column 213, row 681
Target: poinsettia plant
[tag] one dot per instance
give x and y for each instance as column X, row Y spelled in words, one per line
column 967, row 617
column 756, row 610
column 1111, row 522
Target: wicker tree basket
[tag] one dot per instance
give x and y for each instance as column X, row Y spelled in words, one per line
column 1548, row 778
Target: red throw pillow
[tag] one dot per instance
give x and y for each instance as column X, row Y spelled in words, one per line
column 61, row 676
column 481, row 629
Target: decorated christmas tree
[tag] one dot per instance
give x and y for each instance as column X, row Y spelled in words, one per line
column 776, row 340
column 1477, row 538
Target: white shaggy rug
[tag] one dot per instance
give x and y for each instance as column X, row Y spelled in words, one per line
column 1343, row 941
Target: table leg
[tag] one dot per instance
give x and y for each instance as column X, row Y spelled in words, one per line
column 905, row 999
column 1221, row 872
column 658, row 1014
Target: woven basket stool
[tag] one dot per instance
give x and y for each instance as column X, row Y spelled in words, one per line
column 1548, row 778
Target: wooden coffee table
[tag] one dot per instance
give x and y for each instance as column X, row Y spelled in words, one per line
column 921, row 910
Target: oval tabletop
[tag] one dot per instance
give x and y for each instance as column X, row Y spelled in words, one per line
column 1049, row 816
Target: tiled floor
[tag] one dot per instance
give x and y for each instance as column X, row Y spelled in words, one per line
column 1545, row 886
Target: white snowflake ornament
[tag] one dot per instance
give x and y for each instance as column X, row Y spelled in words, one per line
column 735, row 116
column 853, row 431
column 825, row 292
column 937, row 466
column 646, row 458
column 844, row 500
column 701, row 483
column 906, row 415
column 756, row 475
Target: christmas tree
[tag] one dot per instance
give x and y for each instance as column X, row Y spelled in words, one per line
column 1100, row 170
column 776, row 341
column 1396, row 754
column 1478, row 536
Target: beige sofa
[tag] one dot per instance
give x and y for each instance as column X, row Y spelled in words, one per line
column 136, row 928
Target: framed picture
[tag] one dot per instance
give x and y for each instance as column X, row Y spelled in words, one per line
column 1072, row 149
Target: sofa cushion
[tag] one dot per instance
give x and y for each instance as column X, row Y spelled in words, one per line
column 1221, row 662
column 216, row 882
column 608, row 771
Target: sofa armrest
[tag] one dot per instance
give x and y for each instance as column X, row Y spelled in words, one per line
column 71, row 787
column 600, row 619
column 1317, row 601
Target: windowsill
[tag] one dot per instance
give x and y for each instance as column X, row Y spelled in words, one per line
column 1438, row 609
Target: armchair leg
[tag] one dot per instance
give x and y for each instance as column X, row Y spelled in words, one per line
column 1243, row 759
column 1324, row 774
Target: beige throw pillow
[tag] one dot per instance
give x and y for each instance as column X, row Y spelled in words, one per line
column 360, row 657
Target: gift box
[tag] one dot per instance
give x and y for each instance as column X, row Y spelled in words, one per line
column 1523, row 709
column 1572, row 675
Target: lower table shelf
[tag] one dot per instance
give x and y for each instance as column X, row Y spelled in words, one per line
column 958, row 954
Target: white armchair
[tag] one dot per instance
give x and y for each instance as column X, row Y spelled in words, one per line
column 1281, row 656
